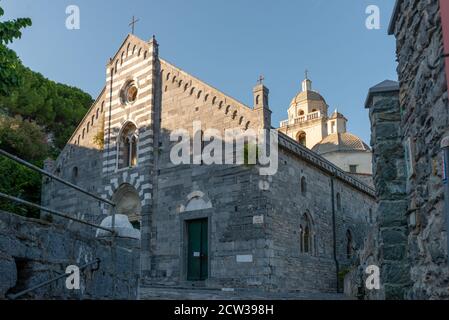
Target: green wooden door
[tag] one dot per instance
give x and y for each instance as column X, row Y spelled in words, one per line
column 197, row 268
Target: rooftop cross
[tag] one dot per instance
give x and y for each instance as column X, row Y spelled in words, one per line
column 306, row 72
column 261, row 79
column 132, row 24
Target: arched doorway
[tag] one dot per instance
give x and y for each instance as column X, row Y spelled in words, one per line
column 128, row 203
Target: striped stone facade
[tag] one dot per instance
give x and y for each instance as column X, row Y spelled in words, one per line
column 253, row 221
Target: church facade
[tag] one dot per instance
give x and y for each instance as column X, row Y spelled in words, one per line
column 208, row 225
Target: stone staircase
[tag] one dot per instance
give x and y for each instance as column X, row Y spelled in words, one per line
column 155, row 292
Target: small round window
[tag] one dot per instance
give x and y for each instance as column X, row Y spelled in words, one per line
column 129, row 93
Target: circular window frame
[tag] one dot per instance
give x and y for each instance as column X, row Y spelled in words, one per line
column 124, row 96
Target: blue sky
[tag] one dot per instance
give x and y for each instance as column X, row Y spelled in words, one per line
column 227, row 44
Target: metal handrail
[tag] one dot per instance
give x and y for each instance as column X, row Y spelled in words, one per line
column 48, row 174
column 59, row 213
column 54, row 212
column 46, row 283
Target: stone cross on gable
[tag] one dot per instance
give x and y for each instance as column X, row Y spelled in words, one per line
column 132, row 24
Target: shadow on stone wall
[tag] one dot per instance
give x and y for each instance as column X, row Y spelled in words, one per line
column 33, row 251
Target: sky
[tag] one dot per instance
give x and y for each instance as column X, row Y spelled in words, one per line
column 227, row 44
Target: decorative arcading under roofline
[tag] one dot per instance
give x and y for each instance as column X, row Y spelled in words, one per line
column 311, row 157
column 210, row 90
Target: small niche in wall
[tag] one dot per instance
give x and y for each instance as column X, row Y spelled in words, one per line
column 24, row 273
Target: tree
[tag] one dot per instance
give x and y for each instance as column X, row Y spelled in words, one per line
column 9, row 62
column 26, row 140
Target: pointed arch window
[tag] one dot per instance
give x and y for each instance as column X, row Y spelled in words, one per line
column 303, row 186
column 349, row 244
column 305, row 232
column 127, row 147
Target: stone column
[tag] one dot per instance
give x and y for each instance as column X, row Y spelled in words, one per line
column 390, row 184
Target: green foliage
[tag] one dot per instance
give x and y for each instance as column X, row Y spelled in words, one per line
column 31, row 109
column 57, row 107
column 23, row 138
column 27, row 141
column 99, row 137
column 9, row 62
column 247, row 148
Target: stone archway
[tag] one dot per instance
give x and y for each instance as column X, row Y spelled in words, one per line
column 128, row 203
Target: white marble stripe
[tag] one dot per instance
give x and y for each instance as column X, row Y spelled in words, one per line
column 145, row 150
column 109, row 154
column 125, row 72
column 147, row 186
column 146, row 133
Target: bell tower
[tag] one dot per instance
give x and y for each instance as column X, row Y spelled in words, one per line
column 260, row 93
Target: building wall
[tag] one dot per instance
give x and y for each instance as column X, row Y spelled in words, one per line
column 80, row 162
column 318, row 271
column 316, row 130
column 424, row 108
column 34, row 251
column 232, row 191
column 343, row 160
column 250, row 235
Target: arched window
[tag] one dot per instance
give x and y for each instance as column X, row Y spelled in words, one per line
column 349, row 244
column 301, row 138
column 74, row 174
column 300, row 112
column 127, row 147
column 305, row 232
column 303, row 186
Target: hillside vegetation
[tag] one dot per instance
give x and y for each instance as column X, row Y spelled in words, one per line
column 37, row 116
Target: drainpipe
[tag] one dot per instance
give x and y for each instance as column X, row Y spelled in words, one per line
column 445, row 149
column 334, row 232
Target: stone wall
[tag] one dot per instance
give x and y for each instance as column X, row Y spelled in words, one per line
column 33, row 251
column 425, row 120
column 389, row 178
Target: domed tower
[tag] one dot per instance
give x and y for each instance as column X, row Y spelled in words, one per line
column 344, row 149
column 307, row 116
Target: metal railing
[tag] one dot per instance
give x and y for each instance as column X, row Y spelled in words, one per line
column 14, row 296
column 57, row 213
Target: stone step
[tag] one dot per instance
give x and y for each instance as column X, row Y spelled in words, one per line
column 183, row 293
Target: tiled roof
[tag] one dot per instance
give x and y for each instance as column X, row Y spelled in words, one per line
column 340, row 142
